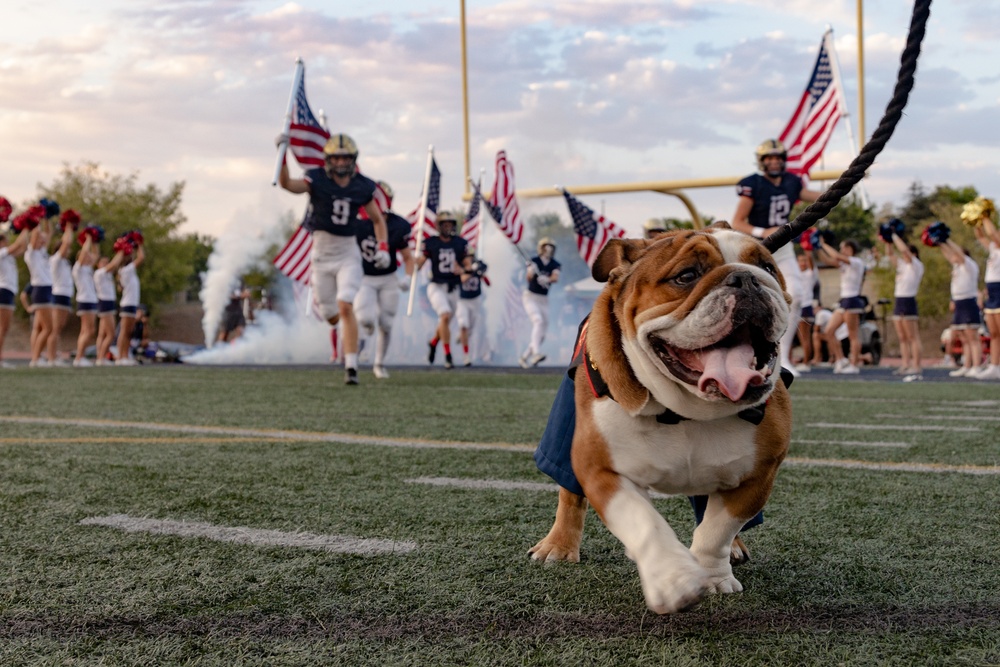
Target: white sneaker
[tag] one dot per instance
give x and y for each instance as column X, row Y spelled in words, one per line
column 802, row 368
column 850, row 370
column 523, row 361
column 40, row 363
column 840, row 364
column 989, row 373
column 536, row 359
column 82, row 362
column 380, row 373
column 128, row 361
column 916, row 377
column 961, row 371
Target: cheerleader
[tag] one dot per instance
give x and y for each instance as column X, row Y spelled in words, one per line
column 62, row 284
column 107, row 305
column 909, row 273
column 132, row 257
column 964, row 289
column 8, row 273
column 852, row 275
column 86, row 295
column 978, row 214
column 36, row 256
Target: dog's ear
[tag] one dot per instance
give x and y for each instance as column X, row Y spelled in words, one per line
column 617, row 257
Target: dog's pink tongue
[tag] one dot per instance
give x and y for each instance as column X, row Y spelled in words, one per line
column 730, row 369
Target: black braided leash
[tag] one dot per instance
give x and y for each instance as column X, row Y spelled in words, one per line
column 893, row 112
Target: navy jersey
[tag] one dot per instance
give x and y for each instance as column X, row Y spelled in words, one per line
column 399, row 236
column 542, row 269
column 471, row 287
column 446, row 258
column 335, row 209
column 772, row 203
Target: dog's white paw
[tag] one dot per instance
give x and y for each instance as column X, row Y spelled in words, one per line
column 670, row 589
column 724, row 584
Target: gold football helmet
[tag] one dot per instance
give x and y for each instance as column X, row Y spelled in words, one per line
column 340, row 144
column 447, row 218
column 546, row 241
column 771, row 147
column 652, row 227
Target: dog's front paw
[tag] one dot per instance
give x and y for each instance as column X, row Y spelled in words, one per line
column 670, row 589
column 724, row 583
column 550, row 550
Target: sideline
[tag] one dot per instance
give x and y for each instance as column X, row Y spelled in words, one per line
column 305, row 436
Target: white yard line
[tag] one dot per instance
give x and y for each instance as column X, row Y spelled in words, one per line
column 966, row 418
column 305, row 436
column 893, row 427
column 252, row 536
column 438, row 444
column 853, row 443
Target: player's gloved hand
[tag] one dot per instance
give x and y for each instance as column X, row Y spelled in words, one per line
column 281, row 139
column 543, row 280
column 382, row 259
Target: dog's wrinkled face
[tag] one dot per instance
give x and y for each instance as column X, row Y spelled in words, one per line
column 699, row 315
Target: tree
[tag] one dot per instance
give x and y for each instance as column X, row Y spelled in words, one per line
column 120, row 203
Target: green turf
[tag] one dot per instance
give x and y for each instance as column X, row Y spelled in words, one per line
column 851, row 567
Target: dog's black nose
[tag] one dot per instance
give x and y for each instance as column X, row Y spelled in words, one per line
column 742, row 280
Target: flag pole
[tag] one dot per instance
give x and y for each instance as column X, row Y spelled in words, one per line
column 835, row 64
column 421, row 214
column 482, row 227
column 283, row 146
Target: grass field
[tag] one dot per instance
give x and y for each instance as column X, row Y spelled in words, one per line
column 277, row 517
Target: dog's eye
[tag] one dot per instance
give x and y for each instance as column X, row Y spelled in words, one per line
column 770, row 268
column 685, row 277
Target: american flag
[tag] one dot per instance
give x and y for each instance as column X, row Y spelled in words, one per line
column 515, row 319
column 433, row 201
column 293, row 260
column 817, row 114
column 472, row 227
column 306, row 136
column 593, row 231
column 502, row 199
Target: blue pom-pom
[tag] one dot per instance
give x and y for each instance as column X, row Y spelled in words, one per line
column 51, row 207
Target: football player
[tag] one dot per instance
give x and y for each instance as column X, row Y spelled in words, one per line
column 765, row 202
column 543, row 272
column 337, row 191
column 450, row 261
column 470, row 304
column 378, row 298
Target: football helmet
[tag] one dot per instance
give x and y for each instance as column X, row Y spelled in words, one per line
column 771, row 147
column 447, row 223
column 652, row 227
column 342, row 145
column 387, row 189
column 546, row 241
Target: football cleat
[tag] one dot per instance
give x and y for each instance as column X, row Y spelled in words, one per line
column 447, row 361
column 431, row 353
column 351, row 376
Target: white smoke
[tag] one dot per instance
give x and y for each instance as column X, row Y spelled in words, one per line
column 291, row 335
column 238, row 249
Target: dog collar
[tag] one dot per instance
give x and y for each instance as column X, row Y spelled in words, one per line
column 581, row 358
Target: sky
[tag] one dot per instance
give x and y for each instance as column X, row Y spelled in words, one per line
column 578, row 92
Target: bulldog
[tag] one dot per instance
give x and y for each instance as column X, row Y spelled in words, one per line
column 677, row 390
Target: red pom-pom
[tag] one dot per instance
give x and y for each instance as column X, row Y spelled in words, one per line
column 36, row 213
column 5, row 209
column 135, row 236
column 69, row 218
column 123, row 245
column 81, row 238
